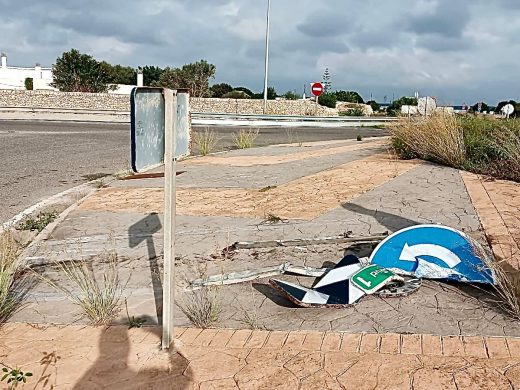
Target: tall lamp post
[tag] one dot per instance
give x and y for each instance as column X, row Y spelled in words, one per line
column 266, row 55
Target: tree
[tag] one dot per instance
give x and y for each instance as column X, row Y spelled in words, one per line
column 328, row 100
column 375, row 106
column 349, row 97
column 29, row 83
column 219, row 90
column 76, row 72
column 195, row 77
column 246, row 90
column 271, row 93
column 119, row 74
column 483, row 107
column 151, row 75
column 327, row 83
column 290, row 95
column 394, row 108
column 501, row 105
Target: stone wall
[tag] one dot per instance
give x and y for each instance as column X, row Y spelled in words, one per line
column 64, row 100
column 104, row 101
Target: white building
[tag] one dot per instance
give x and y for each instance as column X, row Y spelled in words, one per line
column 14, row 78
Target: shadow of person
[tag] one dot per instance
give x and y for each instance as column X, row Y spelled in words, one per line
column 391, row 221
column 132, row 359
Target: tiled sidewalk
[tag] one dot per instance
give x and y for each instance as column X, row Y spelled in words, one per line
column 75, row 357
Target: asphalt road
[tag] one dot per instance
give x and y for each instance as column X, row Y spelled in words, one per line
column 40, row 159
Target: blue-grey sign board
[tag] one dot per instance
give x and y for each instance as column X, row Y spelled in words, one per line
column 147, row 118
column 434, row 252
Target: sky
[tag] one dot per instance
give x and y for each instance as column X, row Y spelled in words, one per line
column 460, row 51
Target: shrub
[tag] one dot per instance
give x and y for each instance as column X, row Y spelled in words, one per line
column 236, row 95
column 328, row 100
column 245, row 139
column 29, row 83
column 205, row 141
column 353, row 112
column 480, row 145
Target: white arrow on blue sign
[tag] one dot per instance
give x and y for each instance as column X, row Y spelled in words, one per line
column 434, row 252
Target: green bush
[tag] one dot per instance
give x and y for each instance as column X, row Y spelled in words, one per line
column 236, row 95
column 29, row 84
column 353, row 112
column 328, row 100
column 290, row 95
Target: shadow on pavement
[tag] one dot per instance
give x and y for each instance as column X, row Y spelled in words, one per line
column 144, row 231
column 121, row 365
column 391, row 221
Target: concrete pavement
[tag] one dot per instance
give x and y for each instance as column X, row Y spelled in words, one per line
column 41, row 159
column 442, row 336
column 77, row 357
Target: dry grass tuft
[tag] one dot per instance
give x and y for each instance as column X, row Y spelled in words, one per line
column 507, row 287
column 100, row 302
column 203, row 306
column 12, row 281
column 437, row 138
column 245, row 139
column 206, row 141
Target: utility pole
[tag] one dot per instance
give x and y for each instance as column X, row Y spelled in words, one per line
column 266, row 54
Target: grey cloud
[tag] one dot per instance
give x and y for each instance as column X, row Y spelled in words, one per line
column 448, row 19
column 326, row 25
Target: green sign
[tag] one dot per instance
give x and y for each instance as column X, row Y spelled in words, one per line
column 372, row 278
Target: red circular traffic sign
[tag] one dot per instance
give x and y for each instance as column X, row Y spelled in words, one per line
column 317, row 89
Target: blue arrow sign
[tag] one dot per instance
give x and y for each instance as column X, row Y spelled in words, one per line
column 433, row 252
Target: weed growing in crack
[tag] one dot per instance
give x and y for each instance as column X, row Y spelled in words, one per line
column 245, row 139
column 202, row 306
column 40, row 222
column 133, row 322
column 272, row 219
column 99, row 301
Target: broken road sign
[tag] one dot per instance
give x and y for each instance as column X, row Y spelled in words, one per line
column 373, row 278
column 433, row 252
column 335, row 289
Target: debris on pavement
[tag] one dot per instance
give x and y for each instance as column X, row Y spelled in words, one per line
column 373, row 278
column 342, row 239
column 247, row 276
column 335, row 289
column 433, row 252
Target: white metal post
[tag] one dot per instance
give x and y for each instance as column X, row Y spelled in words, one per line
column 170, row 120
column 266, row 54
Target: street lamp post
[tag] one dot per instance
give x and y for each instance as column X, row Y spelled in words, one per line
column 266, row 55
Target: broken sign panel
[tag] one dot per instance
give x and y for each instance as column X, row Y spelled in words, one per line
column 433, row 252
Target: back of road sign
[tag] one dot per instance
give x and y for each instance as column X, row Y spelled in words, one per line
column 183, row 127
column 147, row 118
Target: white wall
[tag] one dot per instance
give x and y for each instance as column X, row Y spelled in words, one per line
column 14, row 78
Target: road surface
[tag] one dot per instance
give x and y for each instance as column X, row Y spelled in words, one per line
column 40, row 159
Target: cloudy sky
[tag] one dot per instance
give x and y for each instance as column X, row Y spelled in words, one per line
column 457, row 50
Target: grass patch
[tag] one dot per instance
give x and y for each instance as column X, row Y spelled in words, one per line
column 479, row 145
column 245, row 139
column 206, row 141
column 40, row 222
column 99, row 301
column 95, row 176
column 12, row 280
column 203, row 306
